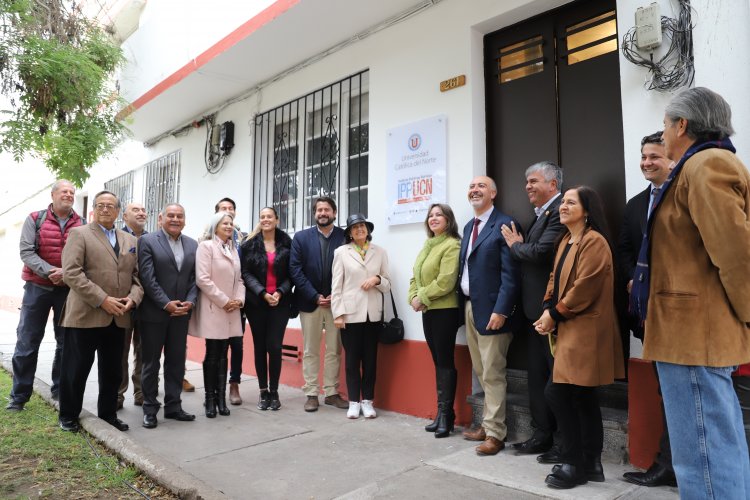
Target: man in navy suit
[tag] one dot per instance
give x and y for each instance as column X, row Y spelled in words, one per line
column 536, row 253
column 166, row 260
column 490, row 283
column 655, row 167
column 310, row 266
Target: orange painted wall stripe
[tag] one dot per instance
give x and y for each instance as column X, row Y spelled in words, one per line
column 262, row 18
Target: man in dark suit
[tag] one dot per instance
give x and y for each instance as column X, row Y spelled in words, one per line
column 490, row 283
column 655, row 167
column 166, row 259
column 134, row 218
column 100, row 266
column 536, row 254
column 310, row 266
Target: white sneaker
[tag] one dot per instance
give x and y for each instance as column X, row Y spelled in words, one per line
column 354, row 409
column 367, row 410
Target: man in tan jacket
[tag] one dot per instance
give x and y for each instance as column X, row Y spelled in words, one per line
column 100, row 267
column 692, row 287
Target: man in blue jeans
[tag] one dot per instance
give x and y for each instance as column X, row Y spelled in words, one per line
column 692, row 287
column 43, row 237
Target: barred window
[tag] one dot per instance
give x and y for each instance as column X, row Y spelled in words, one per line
column 158, row 182
column 299, row 153
column 122, row 187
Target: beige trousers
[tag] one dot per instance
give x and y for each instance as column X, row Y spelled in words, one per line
column 489, row 359
column 313, row 324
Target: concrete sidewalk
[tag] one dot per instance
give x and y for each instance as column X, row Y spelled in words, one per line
column 291, row 454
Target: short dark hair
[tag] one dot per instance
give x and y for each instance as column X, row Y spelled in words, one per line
column 324, row 199
column 452, row 229
column 655, row 138
column 100, row 193
column 230, row 200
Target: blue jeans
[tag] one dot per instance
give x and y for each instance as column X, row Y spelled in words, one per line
column 35, row 308
column 709, row 451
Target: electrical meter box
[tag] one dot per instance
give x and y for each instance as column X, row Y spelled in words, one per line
column 648, row 27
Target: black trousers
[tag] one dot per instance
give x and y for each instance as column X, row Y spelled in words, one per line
column 579, row 421
column 539, row 363
column 169, row 336
column 216, row 350
column 440, row 327
column 268, row 325
column 237, row 346
column 79, row 348
column 360, row 342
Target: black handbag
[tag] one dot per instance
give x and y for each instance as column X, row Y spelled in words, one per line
column 391, row 332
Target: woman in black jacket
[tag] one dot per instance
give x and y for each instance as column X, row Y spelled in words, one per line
column 265, row 271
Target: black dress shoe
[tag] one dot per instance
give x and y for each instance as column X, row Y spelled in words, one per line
column 180, row 415
column 565, row 476
column 656, row 475
column 69, row 425
column 150, row 421
column 594, row 472
column 551, row 457
column 533, row 445
column 14, row 406
column 117, row 423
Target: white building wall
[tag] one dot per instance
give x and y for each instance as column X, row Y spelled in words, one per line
column 406, row 63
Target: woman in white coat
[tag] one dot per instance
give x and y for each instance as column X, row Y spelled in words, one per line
column 217, row 315
column 360, row 278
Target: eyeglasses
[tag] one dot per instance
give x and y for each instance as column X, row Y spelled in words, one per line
column 105, row 206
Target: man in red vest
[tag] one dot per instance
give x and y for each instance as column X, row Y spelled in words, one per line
column 42, row 240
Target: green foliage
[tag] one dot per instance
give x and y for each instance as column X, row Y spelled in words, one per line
column 56, row 69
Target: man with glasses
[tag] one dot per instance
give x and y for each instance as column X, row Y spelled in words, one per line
column 42, row 240
column 100, row 266
column 134, row 218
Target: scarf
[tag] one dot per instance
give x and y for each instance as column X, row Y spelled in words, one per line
column 641, row 277
column 362, row 251
column 428, row 246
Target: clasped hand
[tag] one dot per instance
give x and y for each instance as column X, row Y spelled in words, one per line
column 232, row 305
column 117, row 307
column 545, row 324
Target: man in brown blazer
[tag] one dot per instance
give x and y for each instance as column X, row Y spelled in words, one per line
column 692, row 287
column 100, row 267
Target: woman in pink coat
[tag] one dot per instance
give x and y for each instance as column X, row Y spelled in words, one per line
column 217, row 315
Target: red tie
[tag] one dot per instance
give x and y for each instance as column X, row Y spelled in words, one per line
column 475, row 233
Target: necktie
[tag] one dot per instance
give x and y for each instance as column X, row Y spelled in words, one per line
column 116, row 247
column 655, row 195
column 475, row 233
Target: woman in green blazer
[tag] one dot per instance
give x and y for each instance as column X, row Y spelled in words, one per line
column 432, row 291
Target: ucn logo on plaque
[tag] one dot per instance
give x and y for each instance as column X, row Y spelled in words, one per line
column 415, row 142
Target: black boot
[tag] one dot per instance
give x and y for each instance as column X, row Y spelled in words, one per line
column 209, row 382
column 433, row 426
column 446, row 394
column 221, row 388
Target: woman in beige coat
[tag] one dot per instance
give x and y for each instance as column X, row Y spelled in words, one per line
column 360, row 278
column 579, row 311
column 217, row 315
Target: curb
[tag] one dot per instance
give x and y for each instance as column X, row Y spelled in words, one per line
column 157, row 468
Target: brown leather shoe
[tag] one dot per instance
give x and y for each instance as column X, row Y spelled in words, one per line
column 475, row 434
column 187, row 386
column 311, row 404
column 234, row 393
column 337, row 401
column 491, row 446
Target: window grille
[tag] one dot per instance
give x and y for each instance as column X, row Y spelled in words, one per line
column 316, row 145
column 122, row 187
column 161, row 186
column 159, row 183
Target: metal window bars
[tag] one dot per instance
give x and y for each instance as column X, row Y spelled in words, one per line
column 325, row 133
